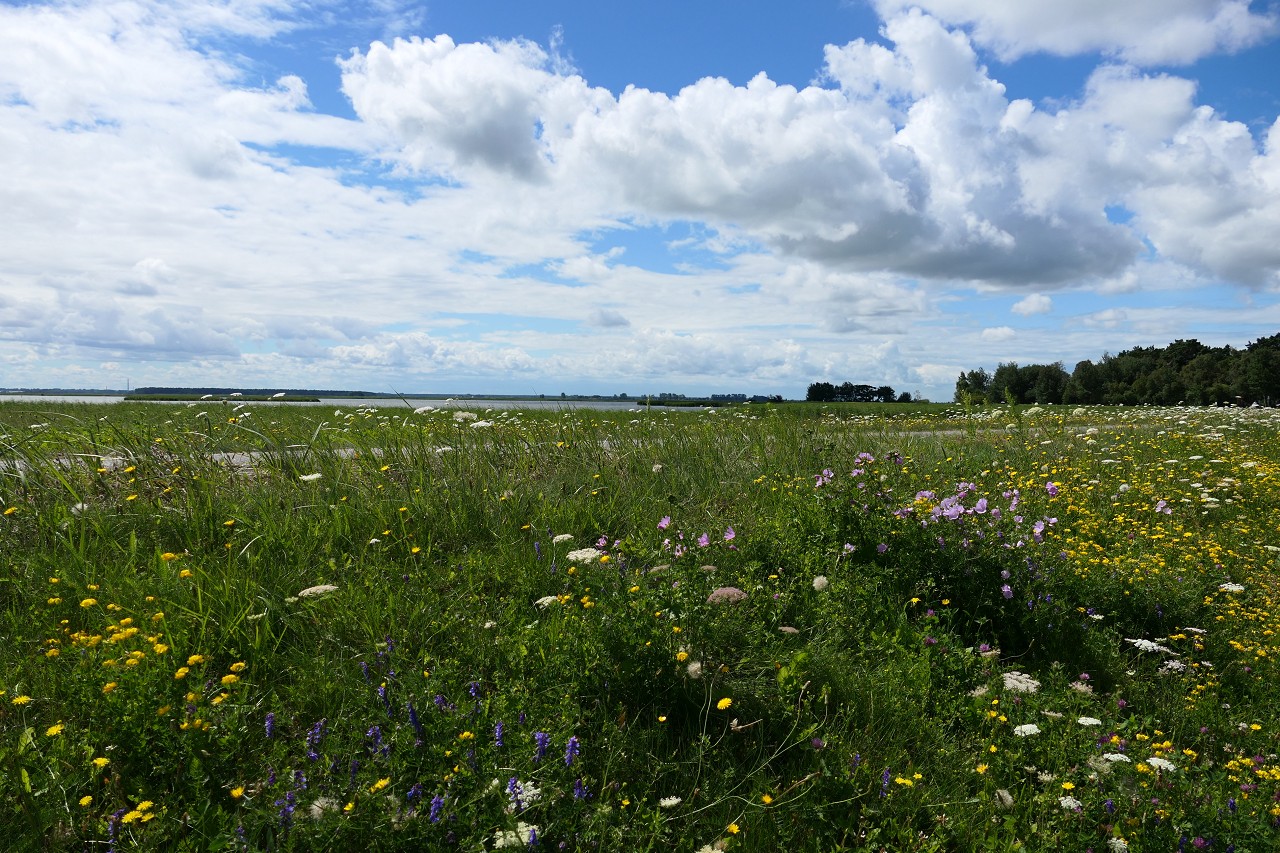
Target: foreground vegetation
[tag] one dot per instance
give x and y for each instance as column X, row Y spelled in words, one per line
column 755, row 628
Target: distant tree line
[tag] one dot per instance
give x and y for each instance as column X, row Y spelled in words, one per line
column 847, row 392
column 1185, row 371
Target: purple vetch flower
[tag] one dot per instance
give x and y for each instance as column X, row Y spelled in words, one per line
column 313, row 739
column 270, row 724
column 580, row 790
column 515, row 791
column 497, row 733
column 437, row 804
column 571, row 751
column 414, row 793
column 884, row 783
column 364, row 669
column 413, row 719
column 474, row 689
column 537, row 550
column 542, row 740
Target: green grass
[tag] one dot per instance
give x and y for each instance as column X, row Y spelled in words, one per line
column 903, row 570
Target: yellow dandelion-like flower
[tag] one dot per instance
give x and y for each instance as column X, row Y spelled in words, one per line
column 237, row 792
column 86, row 801
column 724, row 703
column 230, row 522
column 981, row 768
column 682, row 656
column 349, row 807
column 54, row 730
column 766, row 799
column 100, row 762
column 1068, row 786
column 20, row 700
column 733, row 829
column 379, row 785
column 132, row 816
column 11, row 510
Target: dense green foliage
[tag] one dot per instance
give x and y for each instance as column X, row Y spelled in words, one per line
column 755, row 628
column 1185, row 371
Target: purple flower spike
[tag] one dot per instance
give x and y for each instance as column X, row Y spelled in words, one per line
column 571, row 751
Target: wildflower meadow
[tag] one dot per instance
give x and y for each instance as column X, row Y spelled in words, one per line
column 761, row 627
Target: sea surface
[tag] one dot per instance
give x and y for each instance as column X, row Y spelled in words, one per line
column 353, row 402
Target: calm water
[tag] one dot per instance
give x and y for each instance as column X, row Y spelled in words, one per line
column 356, row 402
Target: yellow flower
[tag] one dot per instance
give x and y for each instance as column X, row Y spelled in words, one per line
column 724, row 703
column 733, row 829
column 766, row 799
column 907, row 783
column 379, row 785
column 52, row 653
column 981, row 768
column 54, row 730
column 195, row 659
column 20, row 700
column 89, row 602
column 109, row 686
column 181, row 673
column 168, row 556
column 237, row 792
column 11, row 510
column 55, row 600
column 230, row 679
column 101, row 762
column 185, row 573
column 1068, row 786
column 349, row 807
column 160, row 648
column 466, row 736
column 239, row 666
column 86, row 801
column 682, row 656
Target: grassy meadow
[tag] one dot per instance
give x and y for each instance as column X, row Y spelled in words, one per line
column 793, row 627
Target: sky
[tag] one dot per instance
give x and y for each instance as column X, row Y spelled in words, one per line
column 704, row 196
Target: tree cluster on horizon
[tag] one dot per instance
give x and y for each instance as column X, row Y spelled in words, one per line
column 847, row 392
column 1185, row 371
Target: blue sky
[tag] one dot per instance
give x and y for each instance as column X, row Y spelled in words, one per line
column 708, row 197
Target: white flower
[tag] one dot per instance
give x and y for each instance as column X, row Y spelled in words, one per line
column 309, row 478
column 545, row 602
column 1118, row 757
column 464, row 416
column 1004, row 798
column 518, row 837
column 1231, row 587
column 1117, row 845
column 657, row 467
column 1070, row 803
column 315, row 591
column 562, row 537
column 479, row 424
column 1089, row 721
column 1148, row 646
column 1020, row 682
column 668, row 802
column 1161, row 763
column 820, row 583
column 1172, row 666
column 584, row 555
column 422, row 410
column 1026, row 730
